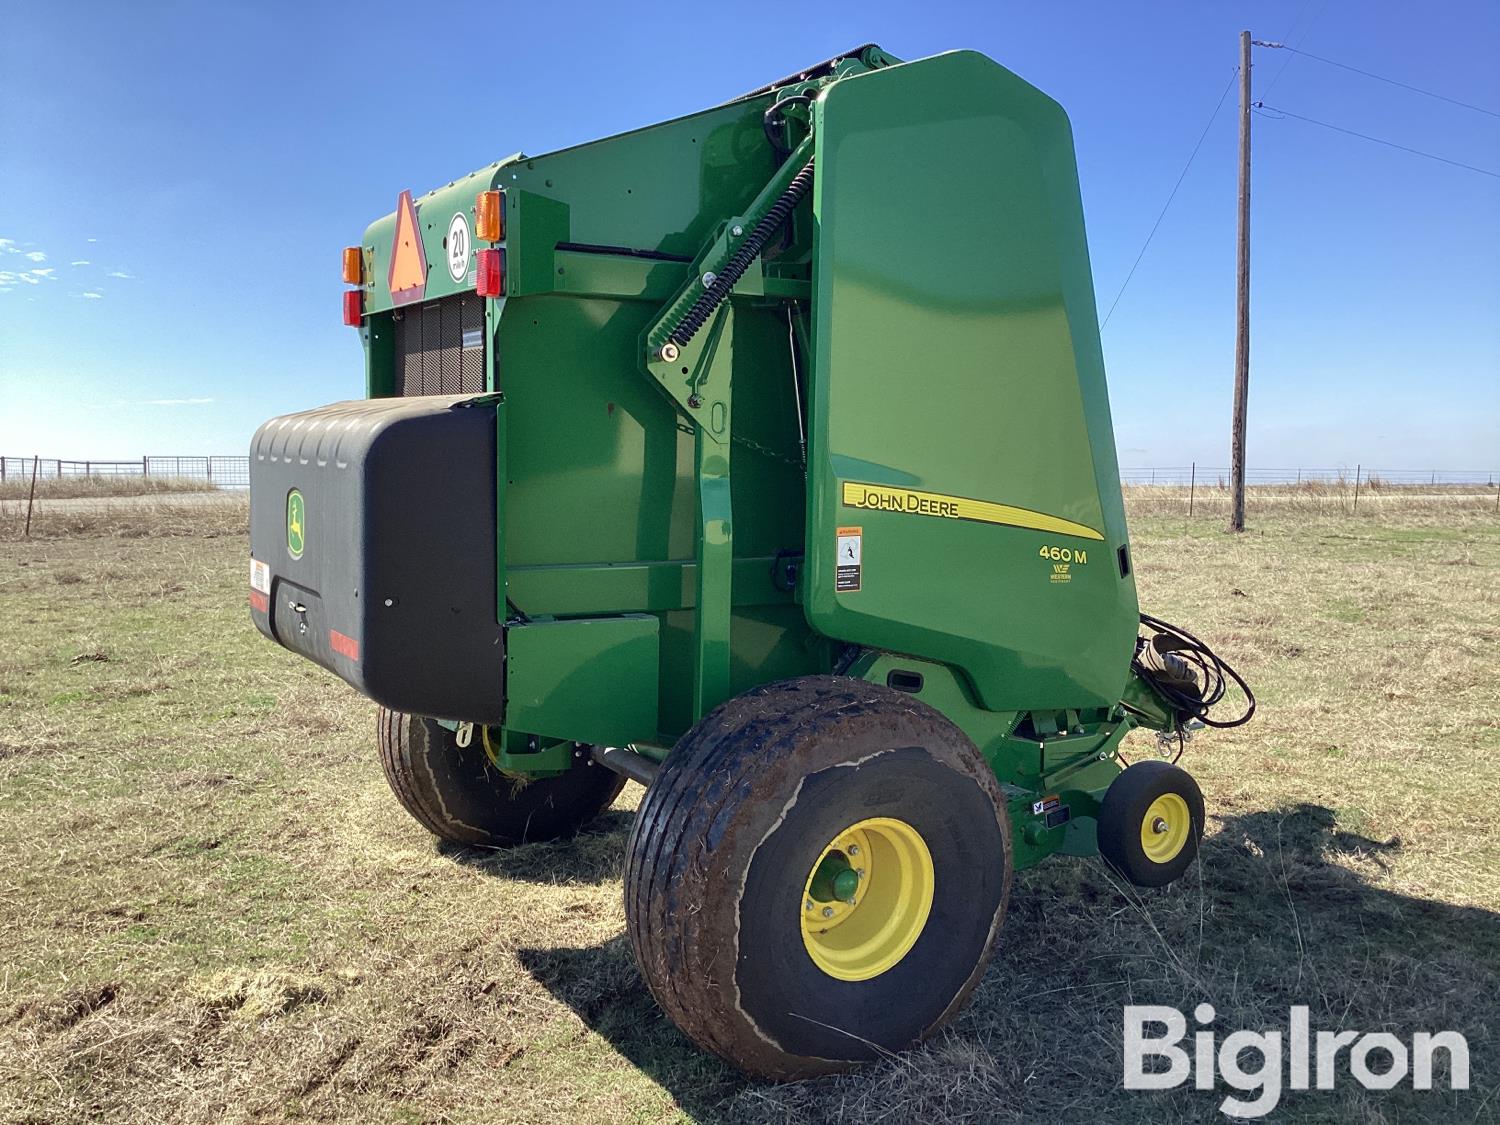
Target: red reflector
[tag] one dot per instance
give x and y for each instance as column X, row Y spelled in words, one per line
column 354, row 307
column 344, row 646
column 489, row 280
column 260, row 602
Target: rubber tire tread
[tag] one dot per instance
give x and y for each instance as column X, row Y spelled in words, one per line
column 412, row 787
column 1119, row 822
column 710, row 769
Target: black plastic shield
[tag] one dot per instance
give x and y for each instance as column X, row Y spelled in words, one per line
column 373, row 540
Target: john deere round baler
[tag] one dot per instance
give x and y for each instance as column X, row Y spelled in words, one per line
column 762, row 456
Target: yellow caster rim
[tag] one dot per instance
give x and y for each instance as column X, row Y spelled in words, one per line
column 1165, row 828
column 866, row 900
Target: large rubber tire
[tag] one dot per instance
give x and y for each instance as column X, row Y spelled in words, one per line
column 726, row 838
column 458, row 795
column 1126, row 814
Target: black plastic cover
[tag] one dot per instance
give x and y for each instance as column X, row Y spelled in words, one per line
column 388, row 577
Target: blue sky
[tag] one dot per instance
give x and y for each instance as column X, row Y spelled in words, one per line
column 188, row 173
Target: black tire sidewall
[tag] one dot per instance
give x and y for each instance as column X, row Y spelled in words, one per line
column 464, row 798
column 1124, row 808
column 784, row 993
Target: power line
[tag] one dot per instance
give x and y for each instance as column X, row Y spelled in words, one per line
column 1378, row 78
column 1307, row 30
column 1377, row 140
column 1193, row 156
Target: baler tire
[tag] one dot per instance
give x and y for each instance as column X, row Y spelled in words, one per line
column 1133, row 800
column 746, row 807
column 458, row 795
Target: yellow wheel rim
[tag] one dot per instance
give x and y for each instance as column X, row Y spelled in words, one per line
column 867, row 932
column 1165, row 828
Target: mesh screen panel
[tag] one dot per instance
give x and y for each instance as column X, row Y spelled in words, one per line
column 431, row 358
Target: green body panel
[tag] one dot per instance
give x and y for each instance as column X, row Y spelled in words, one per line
column 956, row 352
column 1069, row 755
column 601, row 481
column 923, row 323
column 584, row 679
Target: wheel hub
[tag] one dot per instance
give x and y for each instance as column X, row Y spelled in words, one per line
column 867, row 898
column 1165, row 828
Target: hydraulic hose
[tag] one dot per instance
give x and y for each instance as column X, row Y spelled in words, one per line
column 1210, row 674
column 715, row 294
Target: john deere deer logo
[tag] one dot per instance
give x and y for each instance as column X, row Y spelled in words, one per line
column 296, row 515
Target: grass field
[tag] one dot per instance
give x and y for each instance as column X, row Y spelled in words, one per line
column 19, row 488
column 213, row 910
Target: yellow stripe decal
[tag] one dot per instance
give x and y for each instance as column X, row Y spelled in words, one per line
column 879, row 498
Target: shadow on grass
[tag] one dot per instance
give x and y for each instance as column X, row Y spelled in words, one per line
column 1285, row 908
column 595, row 855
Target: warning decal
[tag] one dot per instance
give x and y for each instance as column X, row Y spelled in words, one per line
column 850, row 558
column 408, row 275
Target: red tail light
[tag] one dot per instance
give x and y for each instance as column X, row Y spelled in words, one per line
column 490, row 277
column 354, row 307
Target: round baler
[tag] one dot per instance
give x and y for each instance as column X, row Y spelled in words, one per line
column 762, row 456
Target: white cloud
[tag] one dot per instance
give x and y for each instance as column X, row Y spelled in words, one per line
column 47, row 272
column 81, row 262
column 7, row 243
column 121, row 273
column 92, row 295
column 93, row 240
column 36, row 255
column 29, row 279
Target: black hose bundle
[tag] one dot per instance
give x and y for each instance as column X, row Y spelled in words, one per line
column 1187, row 673
column 713, row 295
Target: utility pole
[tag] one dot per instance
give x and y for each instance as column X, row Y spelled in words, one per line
column 1242, row 305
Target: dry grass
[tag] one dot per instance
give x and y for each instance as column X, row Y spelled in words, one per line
column 213, row 910
column 79, row 487
column 201, row 514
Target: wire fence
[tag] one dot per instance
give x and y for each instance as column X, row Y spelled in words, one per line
column 1209, row 477
column 221, row 472
column 1199, row 486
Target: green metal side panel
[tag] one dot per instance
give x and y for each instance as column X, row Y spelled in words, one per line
column 956, row 360
column 587, row 679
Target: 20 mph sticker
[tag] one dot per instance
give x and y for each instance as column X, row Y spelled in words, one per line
column 458, row 247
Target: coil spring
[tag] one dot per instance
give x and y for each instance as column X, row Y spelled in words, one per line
column 713, row 296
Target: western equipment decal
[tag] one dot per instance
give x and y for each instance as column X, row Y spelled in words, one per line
column 879, row 498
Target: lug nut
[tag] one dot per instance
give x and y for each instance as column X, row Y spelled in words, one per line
column 853, row 849
column 809, row 904
column 1159, row 826
column 828, row 912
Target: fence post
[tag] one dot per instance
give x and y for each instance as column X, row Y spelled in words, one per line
column 1192, row 487
column 1356, row 487
column 145, row 466
column 31, row 500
